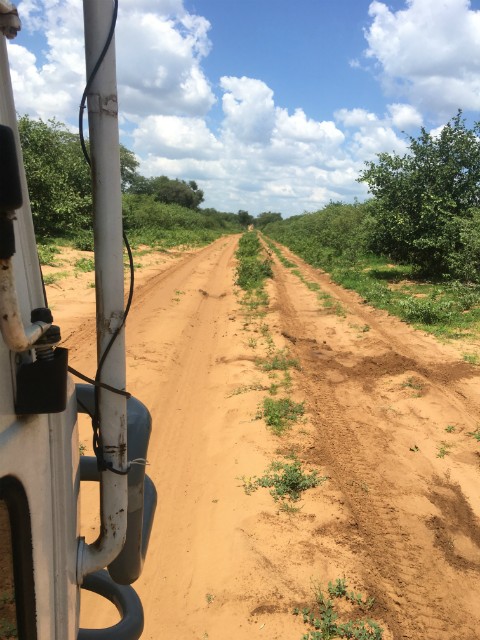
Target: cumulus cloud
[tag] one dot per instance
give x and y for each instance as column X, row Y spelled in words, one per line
column 302, row 129
column 30, row 85
column 159, row 51
column 248, row 108
column 175, row 137
column 261, row 156
column 368, row 134
column 405, row 117
column 428, row 52
column 355, row 117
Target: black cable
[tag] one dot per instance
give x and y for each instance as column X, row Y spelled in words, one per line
column 96, row 418
column 102, row 385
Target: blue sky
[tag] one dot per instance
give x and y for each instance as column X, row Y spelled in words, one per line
column 270, row 105
column 300, row 49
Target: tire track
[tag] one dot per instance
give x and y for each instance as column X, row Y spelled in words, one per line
column 402, row 565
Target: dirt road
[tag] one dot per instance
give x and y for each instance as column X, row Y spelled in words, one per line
column 388, row 413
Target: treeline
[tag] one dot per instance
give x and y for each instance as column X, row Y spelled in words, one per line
column 425, row 211
column 60, row 192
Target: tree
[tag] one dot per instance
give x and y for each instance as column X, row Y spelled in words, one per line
column 186, row 194
column 245, row 218
column 128, row 167
column 222, row 218
column 265, row 218
column 425, row 198
column 58, row 176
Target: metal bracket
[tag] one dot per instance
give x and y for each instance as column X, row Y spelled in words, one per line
column 10, row 23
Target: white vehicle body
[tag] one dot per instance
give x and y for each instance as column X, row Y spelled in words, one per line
column 39, row 452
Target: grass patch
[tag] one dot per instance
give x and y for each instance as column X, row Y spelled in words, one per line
column 85, row 265
column 280, row 414
column 443, row 449
column 475, row 434
column 52, row 278
column 323, row 620
column 8, row 629
column 252, row 269
column 447, row 309
column 331, row 304
column 279, row 360
column 471, row 358
column 245, row 388
column 251, row 272
column 47, row 254
column 326, row 300
column 286, row 481
column 413, row 383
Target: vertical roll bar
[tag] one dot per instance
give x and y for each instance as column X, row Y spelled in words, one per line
column 108, row 243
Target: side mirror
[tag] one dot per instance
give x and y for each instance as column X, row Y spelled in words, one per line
column 10, row 185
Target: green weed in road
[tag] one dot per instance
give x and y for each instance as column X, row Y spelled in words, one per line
column 279, row 414
column 323, row 620
column 286, row 481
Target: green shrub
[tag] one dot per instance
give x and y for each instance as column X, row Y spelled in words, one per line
column 83, row 240
column 46, row 254
column 286, row 481
column 85, row 264
column 280, row 413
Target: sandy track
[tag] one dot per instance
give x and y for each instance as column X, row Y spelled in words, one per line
column 399, row 522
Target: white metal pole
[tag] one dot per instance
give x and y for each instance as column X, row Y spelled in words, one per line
column 107, row 203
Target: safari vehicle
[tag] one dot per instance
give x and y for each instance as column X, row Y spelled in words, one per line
column 44, row 563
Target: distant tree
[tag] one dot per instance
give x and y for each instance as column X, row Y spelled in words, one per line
column 265, row 218
column 141, row 186
column 186, row 194
column 222, row 218
column 425, row 201
column 245, row 218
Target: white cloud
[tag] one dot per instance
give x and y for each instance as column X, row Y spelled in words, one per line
column 30, row 85
column 405, row 117
column 264, row 158
column 355, row 117
column 428, row 52
column 160, row 7
column 160, row 72
column 302, row 129
column 261, row 156
column 175, row 137
column 367, row 143
column 248, row 108
column 370, row 135
column 159, row 49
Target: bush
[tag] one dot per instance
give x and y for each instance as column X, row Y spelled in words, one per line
column 427, row 311
column 425, row 202
column 83, row 240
